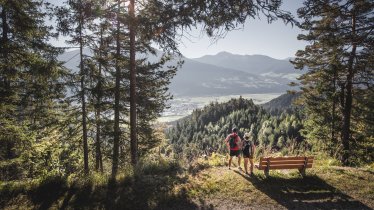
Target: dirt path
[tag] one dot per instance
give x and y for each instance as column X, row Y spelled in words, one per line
column 220, row 188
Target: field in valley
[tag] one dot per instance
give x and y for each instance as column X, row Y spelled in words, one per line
column 183, row 106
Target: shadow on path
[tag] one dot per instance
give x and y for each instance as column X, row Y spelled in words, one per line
column 310, row 192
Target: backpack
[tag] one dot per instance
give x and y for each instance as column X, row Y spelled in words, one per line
column 233, row 141
column 248, row 146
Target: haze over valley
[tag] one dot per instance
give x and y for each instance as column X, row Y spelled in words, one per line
column 218, row 78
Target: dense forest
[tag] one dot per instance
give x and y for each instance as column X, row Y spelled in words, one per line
column 54, row 120
column 59, row 122
column 205, row 130
column 277, row 127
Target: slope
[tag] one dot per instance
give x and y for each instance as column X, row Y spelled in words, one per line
column 204, row 130
column 203, row 185
column 198, row 79
column 254, row 64
column 281, row 103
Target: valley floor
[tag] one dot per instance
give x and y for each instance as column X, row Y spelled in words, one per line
column 205, row 187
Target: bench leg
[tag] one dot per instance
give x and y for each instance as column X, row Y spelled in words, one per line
column 302, row 172
column 266, row 171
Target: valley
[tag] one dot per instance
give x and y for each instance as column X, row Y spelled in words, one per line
column 182, row 106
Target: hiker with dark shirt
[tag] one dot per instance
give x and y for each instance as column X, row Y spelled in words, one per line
column 248, row 150
column 233, row 142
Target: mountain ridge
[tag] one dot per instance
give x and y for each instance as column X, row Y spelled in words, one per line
column 257, row 64
column 196, row 78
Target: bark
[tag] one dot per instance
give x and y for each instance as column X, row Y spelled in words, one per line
column 99, row 159
column 116, row 101
column 5, row 43
column 346, row 132
column 334, row 101
column 133, row 115
column 83, row 97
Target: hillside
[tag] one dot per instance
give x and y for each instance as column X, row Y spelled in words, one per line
column 199, row 79
column 196, row 78
column 281, row 103
column 204, row 130
column 261, row 65
column 207, row 184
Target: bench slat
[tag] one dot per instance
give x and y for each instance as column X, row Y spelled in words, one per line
column 276, row 160
column 289, row 166
column 284, row 163
column 297, row 162
column 288, row 158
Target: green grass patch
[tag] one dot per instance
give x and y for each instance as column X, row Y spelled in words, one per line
column 168, row 184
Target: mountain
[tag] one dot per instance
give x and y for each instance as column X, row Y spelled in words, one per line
column 199, row 78
column 255, row 64
column 71, row 58
column 281, row 103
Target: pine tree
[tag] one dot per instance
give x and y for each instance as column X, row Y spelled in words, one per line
column 31, row 80
column 340, row 33
column 73, row 20
column 98, row 66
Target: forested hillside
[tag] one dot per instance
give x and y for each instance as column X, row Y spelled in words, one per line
column 205, row 129
column 278, row 128
column 285, row 102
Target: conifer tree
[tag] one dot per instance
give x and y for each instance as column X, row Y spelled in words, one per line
column 340, row 33
column 118, row 76
column 98, row 67
column 73, row 21
column 31, row 78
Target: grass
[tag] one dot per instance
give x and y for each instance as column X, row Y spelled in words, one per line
column 327, row 186
column 206, row 184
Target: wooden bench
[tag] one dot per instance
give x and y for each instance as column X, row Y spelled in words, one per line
column 269, row 163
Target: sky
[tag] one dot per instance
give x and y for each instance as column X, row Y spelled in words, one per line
column 276, row 40
column 257, row 36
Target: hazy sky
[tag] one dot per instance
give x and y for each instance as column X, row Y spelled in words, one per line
column 276, row 40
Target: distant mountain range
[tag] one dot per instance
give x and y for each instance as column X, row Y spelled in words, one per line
column 226, row 73
column 223, row 74
column 255, row 64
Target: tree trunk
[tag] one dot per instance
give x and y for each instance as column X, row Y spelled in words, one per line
column 99, row 159
column 83, row 97
column 5, row 42
column 346, row 132
column 133, row 134
column 116, row 101
column 333, row 114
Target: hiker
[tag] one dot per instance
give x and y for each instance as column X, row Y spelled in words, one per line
column 248, row 149
column 233, row 142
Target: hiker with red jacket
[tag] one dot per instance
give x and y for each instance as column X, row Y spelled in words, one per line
column 233, row 142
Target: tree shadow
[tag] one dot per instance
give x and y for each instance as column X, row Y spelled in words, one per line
column 310, row 192
column 144, row 191
column 150, row 192
column 50, row 190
